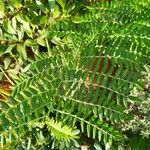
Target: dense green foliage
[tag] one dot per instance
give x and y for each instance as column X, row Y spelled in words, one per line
column 141, row 120
column 76, row 88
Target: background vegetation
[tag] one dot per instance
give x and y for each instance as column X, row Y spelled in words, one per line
column 74, row 74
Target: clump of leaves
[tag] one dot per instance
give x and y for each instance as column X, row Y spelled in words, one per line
column 46, row 134
column 90, row 64
column 141, row 121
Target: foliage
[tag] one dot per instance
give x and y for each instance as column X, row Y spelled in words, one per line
column 86, row 60
column 141, row 121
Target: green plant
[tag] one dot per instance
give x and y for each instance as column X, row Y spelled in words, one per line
column 141, row 120
column 22, row 31
column 84, row 79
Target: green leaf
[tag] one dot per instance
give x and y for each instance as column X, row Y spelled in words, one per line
column 11, row 114
column 78, row 19
column 99, row 135
column 2, row 140
column 56, row 40
column 30, row 42
column 62, row 3
column 12, row 73
column 1, row 75
column 9, row 49
column 20, row 33
column 41, row 6
column 51, row 5
column 105, row 138
column 82, row 126
column 14, row 23
column 3, row 48
column 41, row 42
column 8, row 27
column 2, row 8
column 4, row 105
column 4, row 120
column 26, row 68
column 22, row 50
column 88, row 130
column 40, row 20
column 59, row 131
column 56, row 11
column 135, row 99
column 22, row 18
column 7, row 62
column 15, row 3
column 97, row 146
column 94, row 132
column 27, row 29
column 120, row 147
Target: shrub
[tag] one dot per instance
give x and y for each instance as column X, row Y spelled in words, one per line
column 86, row 60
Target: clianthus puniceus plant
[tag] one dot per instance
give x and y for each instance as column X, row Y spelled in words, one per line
column 79, row 63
